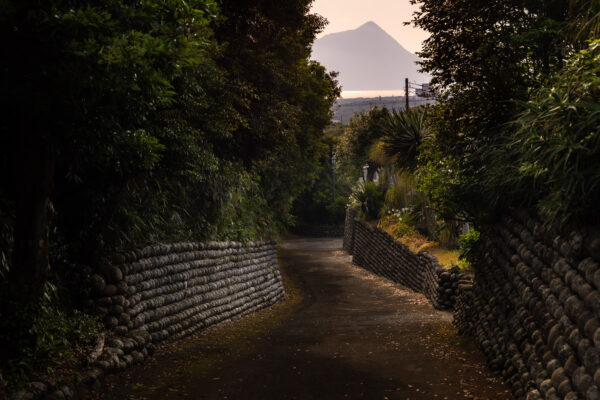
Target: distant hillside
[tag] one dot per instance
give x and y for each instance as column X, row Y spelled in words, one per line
column 367, row 58
column 344, row 109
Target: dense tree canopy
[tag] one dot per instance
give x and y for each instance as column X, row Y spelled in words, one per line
column 485, row 58
column 359, row 137
column 127, row 123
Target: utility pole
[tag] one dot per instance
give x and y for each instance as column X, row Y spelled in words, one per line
column 406, row 92
column 333, row 161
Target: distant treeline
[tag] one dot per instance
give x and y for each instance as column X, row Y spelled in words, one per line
column 345, row 109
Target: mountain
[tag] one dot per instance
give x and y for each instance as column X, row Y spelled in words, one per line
column 367, row 58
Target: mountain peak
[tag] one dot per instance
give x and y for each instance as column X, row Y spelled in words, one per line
column 367, row 58
column 370, row 27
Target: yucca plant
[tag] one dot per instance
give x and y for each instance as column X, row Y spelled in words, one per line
column 402, row 135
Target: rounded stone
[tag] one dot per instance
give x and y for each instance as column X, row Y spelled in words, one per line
column 98, row 283
column 121, row 330
column 564, row 387
column 553, row 365
column 122, row 287
column 591, row 359
column 124, row 319
column 558, row 376
column 91, row 376
column 571, row 365
column 116, row 310
column 592, row 243
column 553, row 335
column 592, row 393
column 545, row 385
column 104, row 301
column 102, row 364
column 110, row 321
column 571, row 396
column 110, row 290
column 582, row 319
column 119, row 300
column 114, row 342
column 138, row 357
column 113, row 274
column 581, row 380
column 590, row 328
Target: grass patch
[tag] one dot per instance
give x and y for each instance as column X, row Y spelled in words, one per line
column 446, row 257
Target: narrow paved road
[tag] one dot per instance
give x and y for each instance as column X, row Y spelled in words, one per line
column 343, row 334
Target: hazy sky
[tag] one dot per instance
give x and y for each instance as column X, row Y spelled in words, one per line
column 388, row 14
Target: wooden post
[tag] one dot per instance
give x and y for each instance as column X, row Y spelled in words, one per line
column 406, row 92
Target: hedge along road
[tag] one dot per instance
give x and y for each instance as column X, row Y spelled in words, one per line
column 343, row 333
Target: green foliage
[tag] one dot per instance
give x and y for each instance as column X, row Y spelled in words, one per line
column 402, row 135
column 548, row 156
column 438, row 179
column 400, row 194
column 360, row 135
column 370, row 197
column 489, row 61
column 317, row 205
column 162, row 121
column 56, row 334
column 469, row 246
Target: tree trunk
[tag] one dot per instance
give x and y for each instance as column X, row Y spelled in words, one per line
column 34, row 173
column 33, row 166
column 371, row 173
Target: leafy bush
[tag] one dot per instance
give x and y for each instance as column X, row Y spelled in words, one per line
column 370, row 197
column 56, row 332
column 469, row 246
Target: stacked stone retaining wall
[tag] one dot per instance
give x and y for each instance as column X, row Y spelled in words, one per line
column 534, row 308
column 378, row 252
column 351, row 215
column 167, row 291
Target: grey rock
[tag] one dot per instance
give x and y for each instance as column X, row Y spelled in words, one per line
column 110, row 290
column 98, row 283
column 22, row 395
column 38, row 387
column 113, row 274
column 92, row 376
column 114, row 343
column 138, row 357
column 121, row 330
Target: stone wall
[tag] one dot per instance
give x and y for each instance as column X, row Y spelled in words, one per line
column 168, row 291
column 319, row 231
column 351, row 215
column 165, row 292
column 378, row 252
column 534, row 308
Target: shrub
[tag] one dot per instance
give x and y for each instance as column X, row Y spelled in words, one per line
column 370, row 197
column 469, row 243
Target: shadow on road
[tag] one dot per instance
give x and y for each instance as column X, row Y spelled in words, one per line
column 343, row 333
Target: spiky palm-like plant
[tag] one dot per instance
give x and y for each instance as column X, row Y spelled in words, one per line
column 402, row 135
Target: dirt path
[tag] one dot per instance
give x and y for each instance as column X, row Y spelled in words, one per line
column 343, row 334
